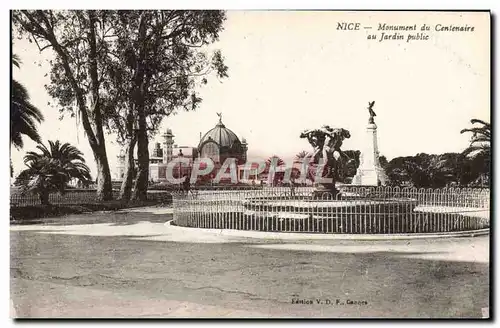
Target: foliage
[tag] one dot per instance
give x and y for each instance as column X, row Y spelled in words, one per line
column 351, row 164
column 275, row 161
column 479, row 149
column 481, row 138
column 24, row 116
column 159, row 58
column 74, row 72
column 125, row 70
column 433, row 171
column 80, row 41
column 302, row 155
column 469, row 168
column 383, row 161
column 34, row 213
column 52, row 169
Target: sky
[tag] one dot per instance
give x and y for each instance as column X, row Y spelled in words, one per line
column 290, row 71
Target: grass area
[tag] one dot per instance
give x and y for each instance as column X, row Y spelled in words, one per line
column 30, row 213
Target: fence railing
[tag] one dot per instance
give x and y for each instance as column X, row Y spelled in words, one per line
column 75, row 197
column 355, row 210
column 457, row 197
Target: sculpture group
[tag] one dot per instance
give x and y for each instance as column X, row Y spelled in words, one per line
column 327, row 142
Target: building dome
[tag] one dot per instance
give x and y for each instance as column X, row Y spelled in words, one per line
column 221, row 136
column 220, row 143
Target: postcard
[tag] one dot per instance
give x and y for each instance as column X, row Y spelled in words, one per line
column 250, row 164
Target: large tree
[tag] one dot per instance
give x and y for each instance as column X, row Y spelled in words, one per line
column 160, row 59
column 79, row 41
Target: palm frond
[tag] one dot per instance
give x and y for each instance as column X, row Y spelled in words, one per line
column 477, row 131
column 480, row 142
column 473, row 150
column 16, row 61
column 24, row 116
column 475, row 120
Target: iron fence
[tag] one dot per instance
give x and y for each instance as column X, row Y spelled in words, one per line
column 354, row 210
column 75, row 197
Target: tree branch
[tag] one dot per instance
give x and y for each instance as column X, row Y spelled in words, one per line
column 49, row 35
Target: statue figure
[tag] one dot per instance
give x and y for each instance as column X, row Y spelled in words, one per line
column 372, row 113
column 326, row 143
column 316, row 139
column 220, row 117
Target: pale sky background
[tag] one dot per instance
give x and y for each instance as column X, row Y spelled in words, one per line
column 289, row 71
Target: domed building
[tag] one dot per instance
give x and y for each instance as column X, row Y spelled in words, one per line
column 218, row 144
column 221, row 143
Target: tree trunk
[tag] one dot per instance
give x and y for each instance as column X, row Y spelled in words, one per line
column 104, row 186
column 139, row 96
column 44, row 198
column 141, row 183
column 128, row 178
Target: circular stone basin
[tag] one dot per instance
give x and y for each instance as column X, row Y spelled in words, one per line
column 329, row 207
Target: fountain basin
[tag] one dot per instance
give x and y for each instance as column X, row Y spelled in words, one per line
column 330, row 207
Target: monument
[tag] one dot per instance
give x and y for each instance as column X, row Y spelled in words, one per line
column 327, row 155
column 353, row 210
column 369, row 172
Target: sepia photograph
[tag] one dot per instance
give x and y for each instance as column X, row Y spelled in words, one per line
column 170, row 163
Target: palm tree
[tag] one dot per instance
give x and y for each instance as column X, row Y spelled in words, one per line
column 481, row 138
column 480, row 147
column 52, row 169
column 23, row 114
column 301, row 156
column 274, row 159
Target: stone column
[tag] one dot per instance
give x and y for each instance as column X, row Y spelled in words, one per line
column 370, row 173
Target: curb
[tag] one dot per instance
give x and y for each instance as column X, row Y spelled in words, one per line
column 321, row 236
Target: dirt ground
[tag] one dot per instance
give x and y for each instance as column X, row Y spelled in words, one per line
column 114, row 265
